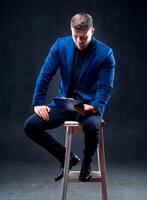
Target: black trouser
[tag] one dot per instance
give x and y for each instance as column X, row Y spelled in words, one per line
column 35, row 128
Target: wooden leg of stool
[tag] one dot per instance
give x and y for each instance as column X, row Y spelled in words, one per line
column 66, row 163
column 102, row 165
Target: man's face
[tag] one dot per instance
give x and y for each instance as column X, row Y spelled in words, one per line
column 82, row 37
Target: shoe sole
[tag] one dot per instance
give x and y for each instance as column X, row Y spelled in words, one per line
column 85, row 180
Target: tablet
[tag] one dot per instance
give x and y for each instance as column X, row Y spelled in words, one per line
column 68, row 103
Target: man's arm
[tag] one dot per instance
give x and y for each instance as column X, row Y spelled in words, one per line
column 87, row 109
column 105, row 83
column 104, row 87
column 48, row 70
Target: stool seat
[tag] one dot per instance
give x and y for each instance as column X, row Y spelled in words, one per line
column 73, row 127
column 71, row 123
column 75, row 123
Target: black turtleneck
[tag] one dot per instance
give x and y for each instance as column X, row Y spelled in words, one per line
column 74, row 81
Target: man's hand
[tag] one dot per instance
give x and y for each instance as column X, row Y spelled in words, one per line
column 87, row 109
column 42, row 111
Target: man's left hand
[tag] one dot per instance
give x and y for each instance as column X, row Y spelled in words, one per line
column 87, row 109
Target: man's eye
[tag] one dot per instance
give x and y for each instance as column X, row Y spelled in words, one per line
column 84, row 38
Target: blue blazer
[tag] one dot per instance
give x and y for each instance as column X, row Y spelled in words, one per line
column 95, row 77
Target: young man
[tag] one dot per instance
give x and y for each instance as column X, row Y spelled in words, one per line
column 87, row 72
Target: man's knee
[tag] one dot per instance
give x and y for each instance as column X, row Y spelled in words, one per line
column 29, row 126
column 91, row 125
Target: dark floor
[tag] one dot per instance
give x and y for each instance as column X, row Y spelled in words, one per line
column 35, row 181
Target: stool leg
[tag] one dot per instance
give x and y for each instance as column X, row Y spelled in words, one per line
column 66, row 163
column 102, row 165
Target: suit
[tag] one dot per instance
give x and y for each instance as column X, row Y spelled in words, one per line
column 94, row 85
column 95, row 81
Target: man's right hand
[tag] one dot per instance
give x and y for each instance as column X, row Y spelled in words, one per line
column 42, row 111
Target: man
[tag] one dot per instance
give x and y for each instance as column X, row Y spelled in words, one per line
column 87, row 71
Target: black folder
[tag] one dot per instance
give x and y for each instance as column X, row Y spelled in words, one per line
column 68, row 103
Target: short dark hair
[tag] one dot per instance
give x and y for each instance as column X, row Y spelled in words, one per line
column 81, row 21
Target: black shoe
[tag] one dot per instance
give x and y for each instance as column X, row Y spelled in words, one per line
column 73, row 161
column 85, row 173
column 60, row 173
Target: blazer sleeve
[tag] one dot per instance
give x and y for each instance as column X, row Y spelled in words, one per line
column 104, row 83
column 48, row 70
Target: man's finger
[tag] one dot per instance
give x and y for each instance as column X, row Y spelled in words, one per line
column 48, row 109
column 38, row 113
column 44, row 114
column 42, row 111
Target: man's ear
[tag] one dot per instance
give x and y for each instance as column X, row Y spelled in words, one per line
column 93, row 30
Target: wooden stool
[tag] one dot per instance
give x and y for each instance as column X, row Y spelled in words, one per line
column 73, row 176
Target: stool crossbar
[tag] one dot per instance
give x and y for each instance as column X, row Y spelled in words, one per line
column 73, row 127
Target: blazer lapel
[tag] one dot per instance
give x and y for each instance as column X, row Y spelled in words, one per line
column 70, row 54
column 70, row 59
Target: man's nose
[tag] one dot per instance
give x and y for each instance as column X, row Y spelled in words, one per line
column 79, row 39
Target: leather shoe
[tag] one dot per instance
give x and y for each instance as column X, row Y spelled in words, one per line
column 85, row 173
column 74, row 160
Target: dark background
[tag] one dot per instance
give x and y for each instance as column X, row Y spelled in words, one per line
column 27, row 31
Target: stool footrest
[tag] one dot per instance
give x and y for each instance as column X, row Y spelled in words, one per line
column 74, row 176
